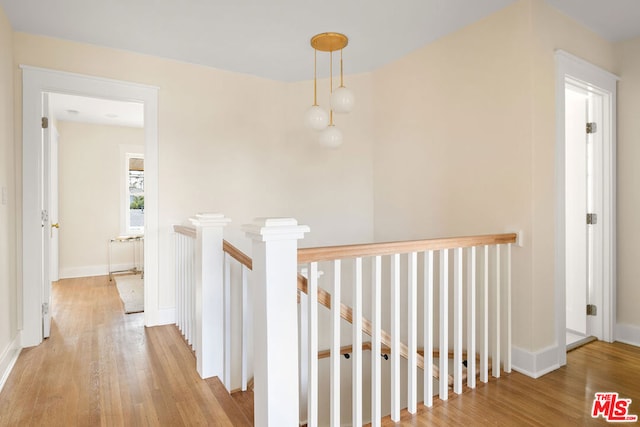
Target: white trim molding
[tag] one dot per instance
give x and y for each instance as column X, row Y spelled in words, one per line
column 535, row 364
column 577, row 69
column 628, row 334
column 35, row 82
column 8, row 359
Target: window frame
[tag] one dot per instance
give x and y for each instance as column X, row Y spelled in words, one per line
column 131, row 152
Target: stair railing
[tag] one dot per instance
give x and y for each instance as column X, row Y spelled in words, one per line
column 203, row 283
column 234, row 255
column 496, row 280
column 199, row 287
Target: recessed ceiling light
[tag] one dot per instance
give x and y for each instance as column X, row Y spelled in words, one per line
column 73, row 112
column 111, row 116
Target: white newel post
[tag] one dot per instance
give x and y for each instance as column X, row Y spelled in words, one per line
column 275, row 334
column 209, row 310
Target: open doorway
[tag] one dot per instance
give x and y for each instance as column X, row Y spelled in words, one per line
column 36, row 83
column 585, row 190
column 585, row 106
column 96, row 191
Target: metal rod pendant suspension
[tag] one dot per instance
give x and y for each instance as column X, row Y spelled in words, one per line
column 341, row 81
column 315, row 78
column 330, row 87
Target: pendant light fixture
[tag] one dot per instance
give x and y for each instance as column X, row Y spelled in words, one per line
column 342, row 99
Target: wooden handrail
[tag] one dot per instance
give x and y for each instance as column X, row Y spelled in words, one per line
column 330, row 253
column 185, row 230
column 237, row 254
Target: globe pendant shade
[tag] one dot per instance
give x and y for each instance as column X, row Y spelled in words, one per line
column 316, row 118
column 342, row 100
column 331, row 137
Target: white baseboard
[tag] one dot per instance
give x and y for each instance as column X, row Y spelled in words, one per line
column 166, row 316
column 534, row 364
column 91, row 270
column 8, row 359
column 628, row 334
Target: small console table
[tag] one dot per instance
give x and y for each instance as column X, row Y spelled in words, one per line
column 138, row 241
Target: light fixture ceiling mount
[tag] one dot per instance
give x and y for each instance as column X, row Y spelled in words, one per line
column 329, row 42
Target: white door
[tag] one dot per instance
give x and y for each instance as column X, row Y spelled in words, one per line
column 583, row 209
column 53, row 207
column 46, row 223
column 576, row 107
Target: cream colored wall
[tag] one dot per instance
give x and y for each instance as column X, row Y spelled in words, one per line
column 453, row 143
column 90, row 181
column 8, row 286
column 628, row 55
column 231, row 143
column 465, row 143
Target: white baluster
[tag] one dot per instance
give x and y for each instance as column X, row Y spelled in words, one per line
column 457, row 321
column 376, row 346
column 303, row 338
column 183, row 290
column 178, row 264
column 246, row 319
column 428, row 328
column 395, row 338
column 495, row 357
column 335, row 345
column 507, row 362
column 357, row 343
column 313, row 384
column 444, row 324
column 227, row 321
column 484, row 348
column 190, row 297
column 412, row 319
column 471, row 318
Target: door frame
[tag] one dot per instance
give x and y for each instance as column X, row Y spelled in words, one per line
column 570, row 66
column 36, row 81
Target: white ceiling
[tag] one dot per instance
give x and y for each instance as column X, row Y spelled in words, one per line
column 83, row 109
column 270, row 38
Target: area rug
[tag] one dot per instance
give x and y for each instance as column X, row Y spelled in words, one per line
column 131, row 290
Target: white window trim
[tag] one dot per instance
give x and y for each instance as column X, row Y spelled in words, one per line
column 127, row 152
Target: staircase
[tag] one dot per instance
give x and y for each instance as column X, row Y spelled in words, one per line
column 463, row 286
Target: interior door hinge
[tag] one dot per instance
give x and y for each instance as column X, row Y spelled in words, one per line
column 45, row 123
column 592, row 127
column 45, row 308
column 592, row 310
column 592, row 218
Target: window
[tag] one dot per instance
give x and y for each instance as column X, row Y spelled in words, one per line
column 134, row 194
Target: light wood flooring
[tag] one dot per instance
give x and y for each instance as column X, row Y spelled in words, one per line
column 563, row 397
column 102, row 367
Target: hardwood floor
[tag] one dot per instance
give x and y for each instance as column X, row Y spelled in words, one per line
column 102, row 367
column 563, row 397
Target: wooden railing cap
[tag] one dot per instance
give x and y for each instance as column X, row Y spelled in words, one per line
column 330, row 253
